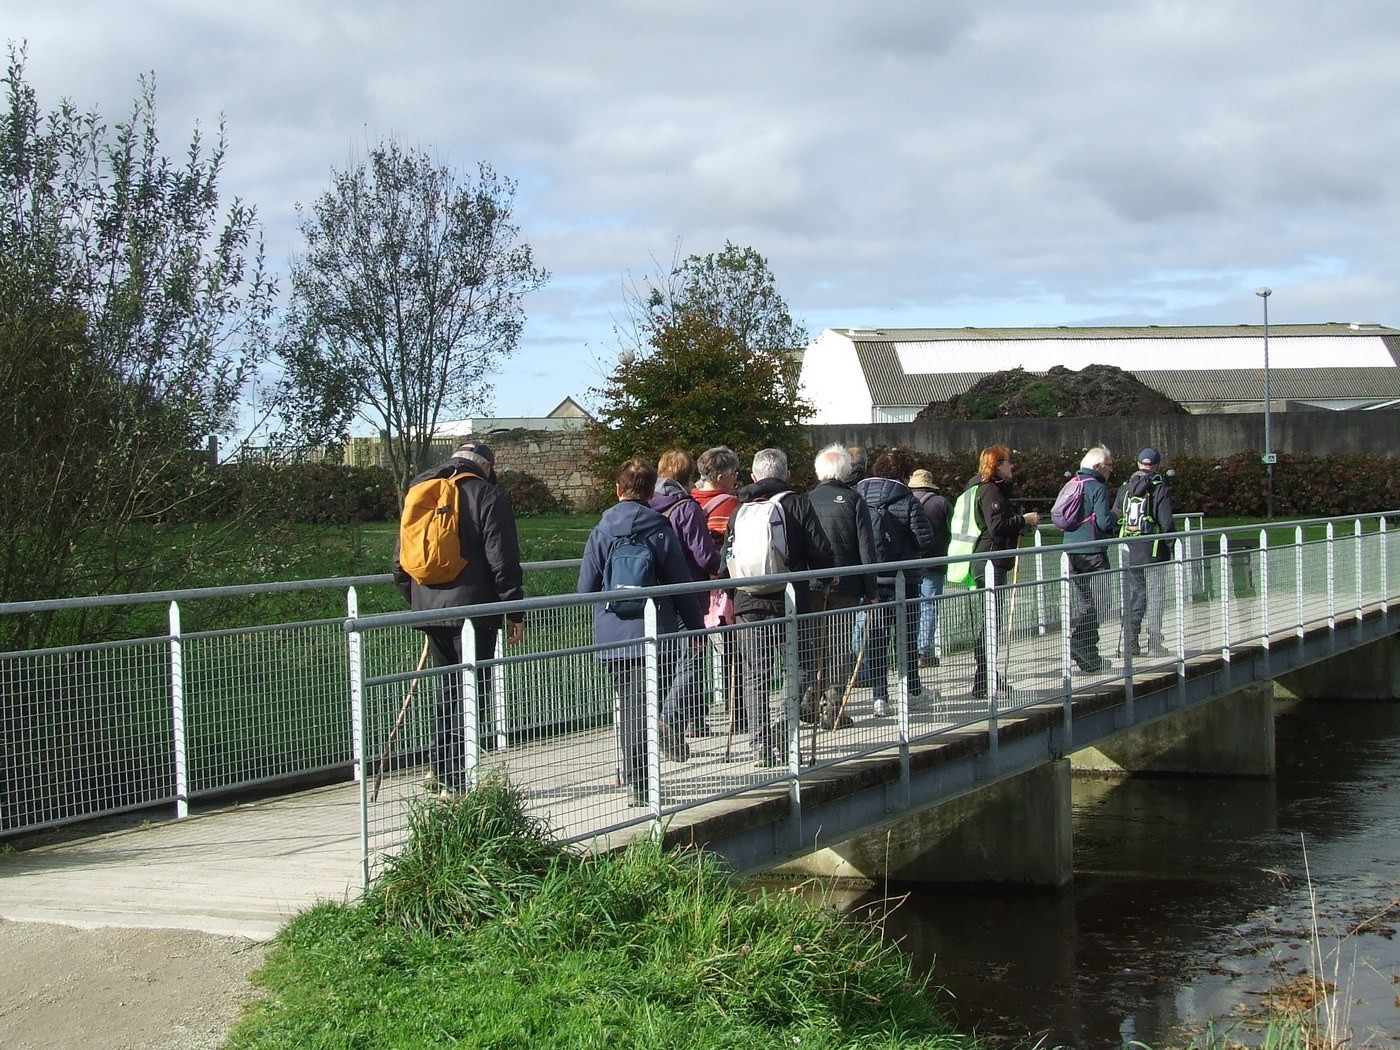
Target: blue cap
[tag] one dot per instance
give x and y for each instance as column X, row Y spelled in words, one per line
column 1149, row 457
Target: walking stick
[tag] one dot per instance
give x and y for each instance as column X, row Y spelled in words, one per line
column 855, row 673
column 398, row 722
column 1010, row 613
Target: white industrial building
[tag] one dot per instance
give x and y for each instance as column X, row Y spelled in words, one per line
column 869, row 375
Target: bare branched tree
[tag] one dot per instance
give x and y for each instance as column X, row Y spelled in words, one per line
column 406, row 298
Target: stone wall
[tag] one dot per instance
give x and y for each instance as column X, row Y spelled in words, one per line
column 558, row 458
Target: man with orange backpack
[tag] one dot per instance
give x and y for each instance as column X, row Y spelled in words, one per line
column 457, row 546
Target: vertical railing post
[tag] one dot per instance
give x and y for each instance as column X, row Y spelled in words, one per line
column 1037, row 542
column 792, row 708
column 352, row 655
column 1126, row 643
column 1264, row 596
column 992, row 646
column 1332, row 585
column 470, row 700
column 1385, row 565
column 355, row 657
column 177, row 715
column 1226, row 587
column 1066, row 682
column 1179, row 568
column 901, row 649
column 1299, row 571
column 1360, row 588
column 498, row 691
column 651, row 650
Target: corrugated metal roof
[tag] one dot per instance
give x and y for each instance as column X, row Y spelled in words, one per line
column 1242, row 331
column 891, row 386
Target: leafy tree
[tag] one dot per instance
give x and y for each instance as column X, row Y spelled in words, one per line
column 715, row 363
column 130, row 315
column 407, row 297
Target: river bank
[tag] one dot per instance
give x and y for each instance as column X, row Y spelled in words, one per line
column 1194, row 901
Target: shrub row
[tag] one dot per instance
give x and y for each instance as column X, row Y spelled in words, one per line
column 326, row 494
column 1233, row 486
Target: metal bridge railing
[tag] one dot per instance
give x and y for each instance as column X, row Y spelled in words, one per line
column 97, row 729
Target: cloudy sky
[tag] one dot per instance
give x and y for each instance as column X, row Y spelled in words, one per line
column 904, row 163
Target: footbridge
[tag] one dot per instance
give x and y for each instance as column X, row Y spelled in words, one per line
column 941, row 784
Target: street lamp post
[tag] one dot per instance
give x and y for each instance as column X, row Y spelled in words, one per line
column 1269, row 456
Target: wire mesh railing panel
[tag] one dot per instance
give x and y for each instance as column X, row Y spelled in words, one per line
column 262, row 705
column 86, row 732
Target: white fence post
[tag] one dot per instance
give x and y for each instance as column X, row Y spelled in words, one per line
column 177, row 715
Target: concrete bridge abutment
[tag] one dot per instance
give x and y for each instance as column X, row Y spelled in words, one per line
column 1232, row 736
column 1369, row 672
column 1015, row 830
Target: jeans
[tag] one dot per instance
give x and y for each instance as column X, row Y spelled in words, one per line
column 930, row 588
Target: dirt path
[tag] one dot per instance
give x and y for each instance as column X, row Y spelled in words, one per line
column 121, row 988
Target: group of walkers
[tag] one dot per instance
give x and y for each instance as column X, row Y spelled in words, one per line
column 683, row 520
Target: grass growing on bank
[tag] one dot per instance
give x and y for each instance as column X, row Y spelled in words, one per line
column 483, row 932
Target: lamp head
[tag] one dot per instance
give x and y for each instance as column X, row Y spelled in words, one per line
column 1263, row 293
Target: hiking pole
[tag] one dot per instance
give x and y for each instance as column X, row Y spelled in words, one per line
column 398, row 722
column 1010, row 612
column 855, row 673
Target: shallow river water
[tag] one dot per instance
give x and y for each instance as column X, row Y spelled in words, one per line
column 1192, row 900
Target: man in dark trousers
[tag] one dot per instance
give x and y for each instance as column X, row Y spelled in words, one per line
column 846, row 523
column 759, row 643
column 1086, row 567
column 1144, row 506
column 492, row 574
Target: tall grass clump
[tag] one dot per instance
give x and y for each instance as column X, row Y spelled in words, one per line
column 484, row 933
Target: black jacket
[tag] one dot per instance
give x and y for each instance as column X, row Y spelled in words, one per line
column 807, row 547
column 843, row 518
column 999, row 524
column 489, row 543
column 1142, row 550
column 909, row 525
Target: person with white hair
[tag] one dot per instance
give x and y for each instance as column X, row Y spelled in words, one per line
column 760, row 642
column 843, row 517
column 1097, row 522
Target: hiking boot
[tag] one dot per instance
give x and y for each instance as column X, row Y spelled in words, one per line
column 673, row 744
column 831, row 719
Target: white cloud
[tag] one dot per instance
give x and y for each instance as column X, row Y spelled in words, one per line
column 898, row 163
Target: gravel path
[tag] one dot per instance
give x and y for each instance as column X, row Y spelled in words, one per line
column 121, row 989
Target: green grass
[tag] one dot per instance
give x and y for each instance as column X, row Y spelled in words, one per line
column 485, row 933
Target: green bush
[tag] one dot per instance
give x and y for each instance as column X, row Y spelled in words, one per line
column 529, row 496
column 1233, row 486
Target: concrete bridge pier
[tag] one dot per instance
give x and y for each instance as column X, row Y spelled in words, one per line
column 1369, row 672
column 1232, row 735
column 1015, row 830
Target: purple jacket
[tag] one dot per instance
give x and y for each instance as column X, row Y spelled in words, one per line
column 689, row 523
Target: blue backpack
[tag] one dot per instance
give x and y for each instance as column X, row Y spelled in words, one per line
column 630, row 564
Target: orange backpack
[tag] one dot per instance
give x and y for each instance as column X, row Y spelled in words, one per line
column 430, row 543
